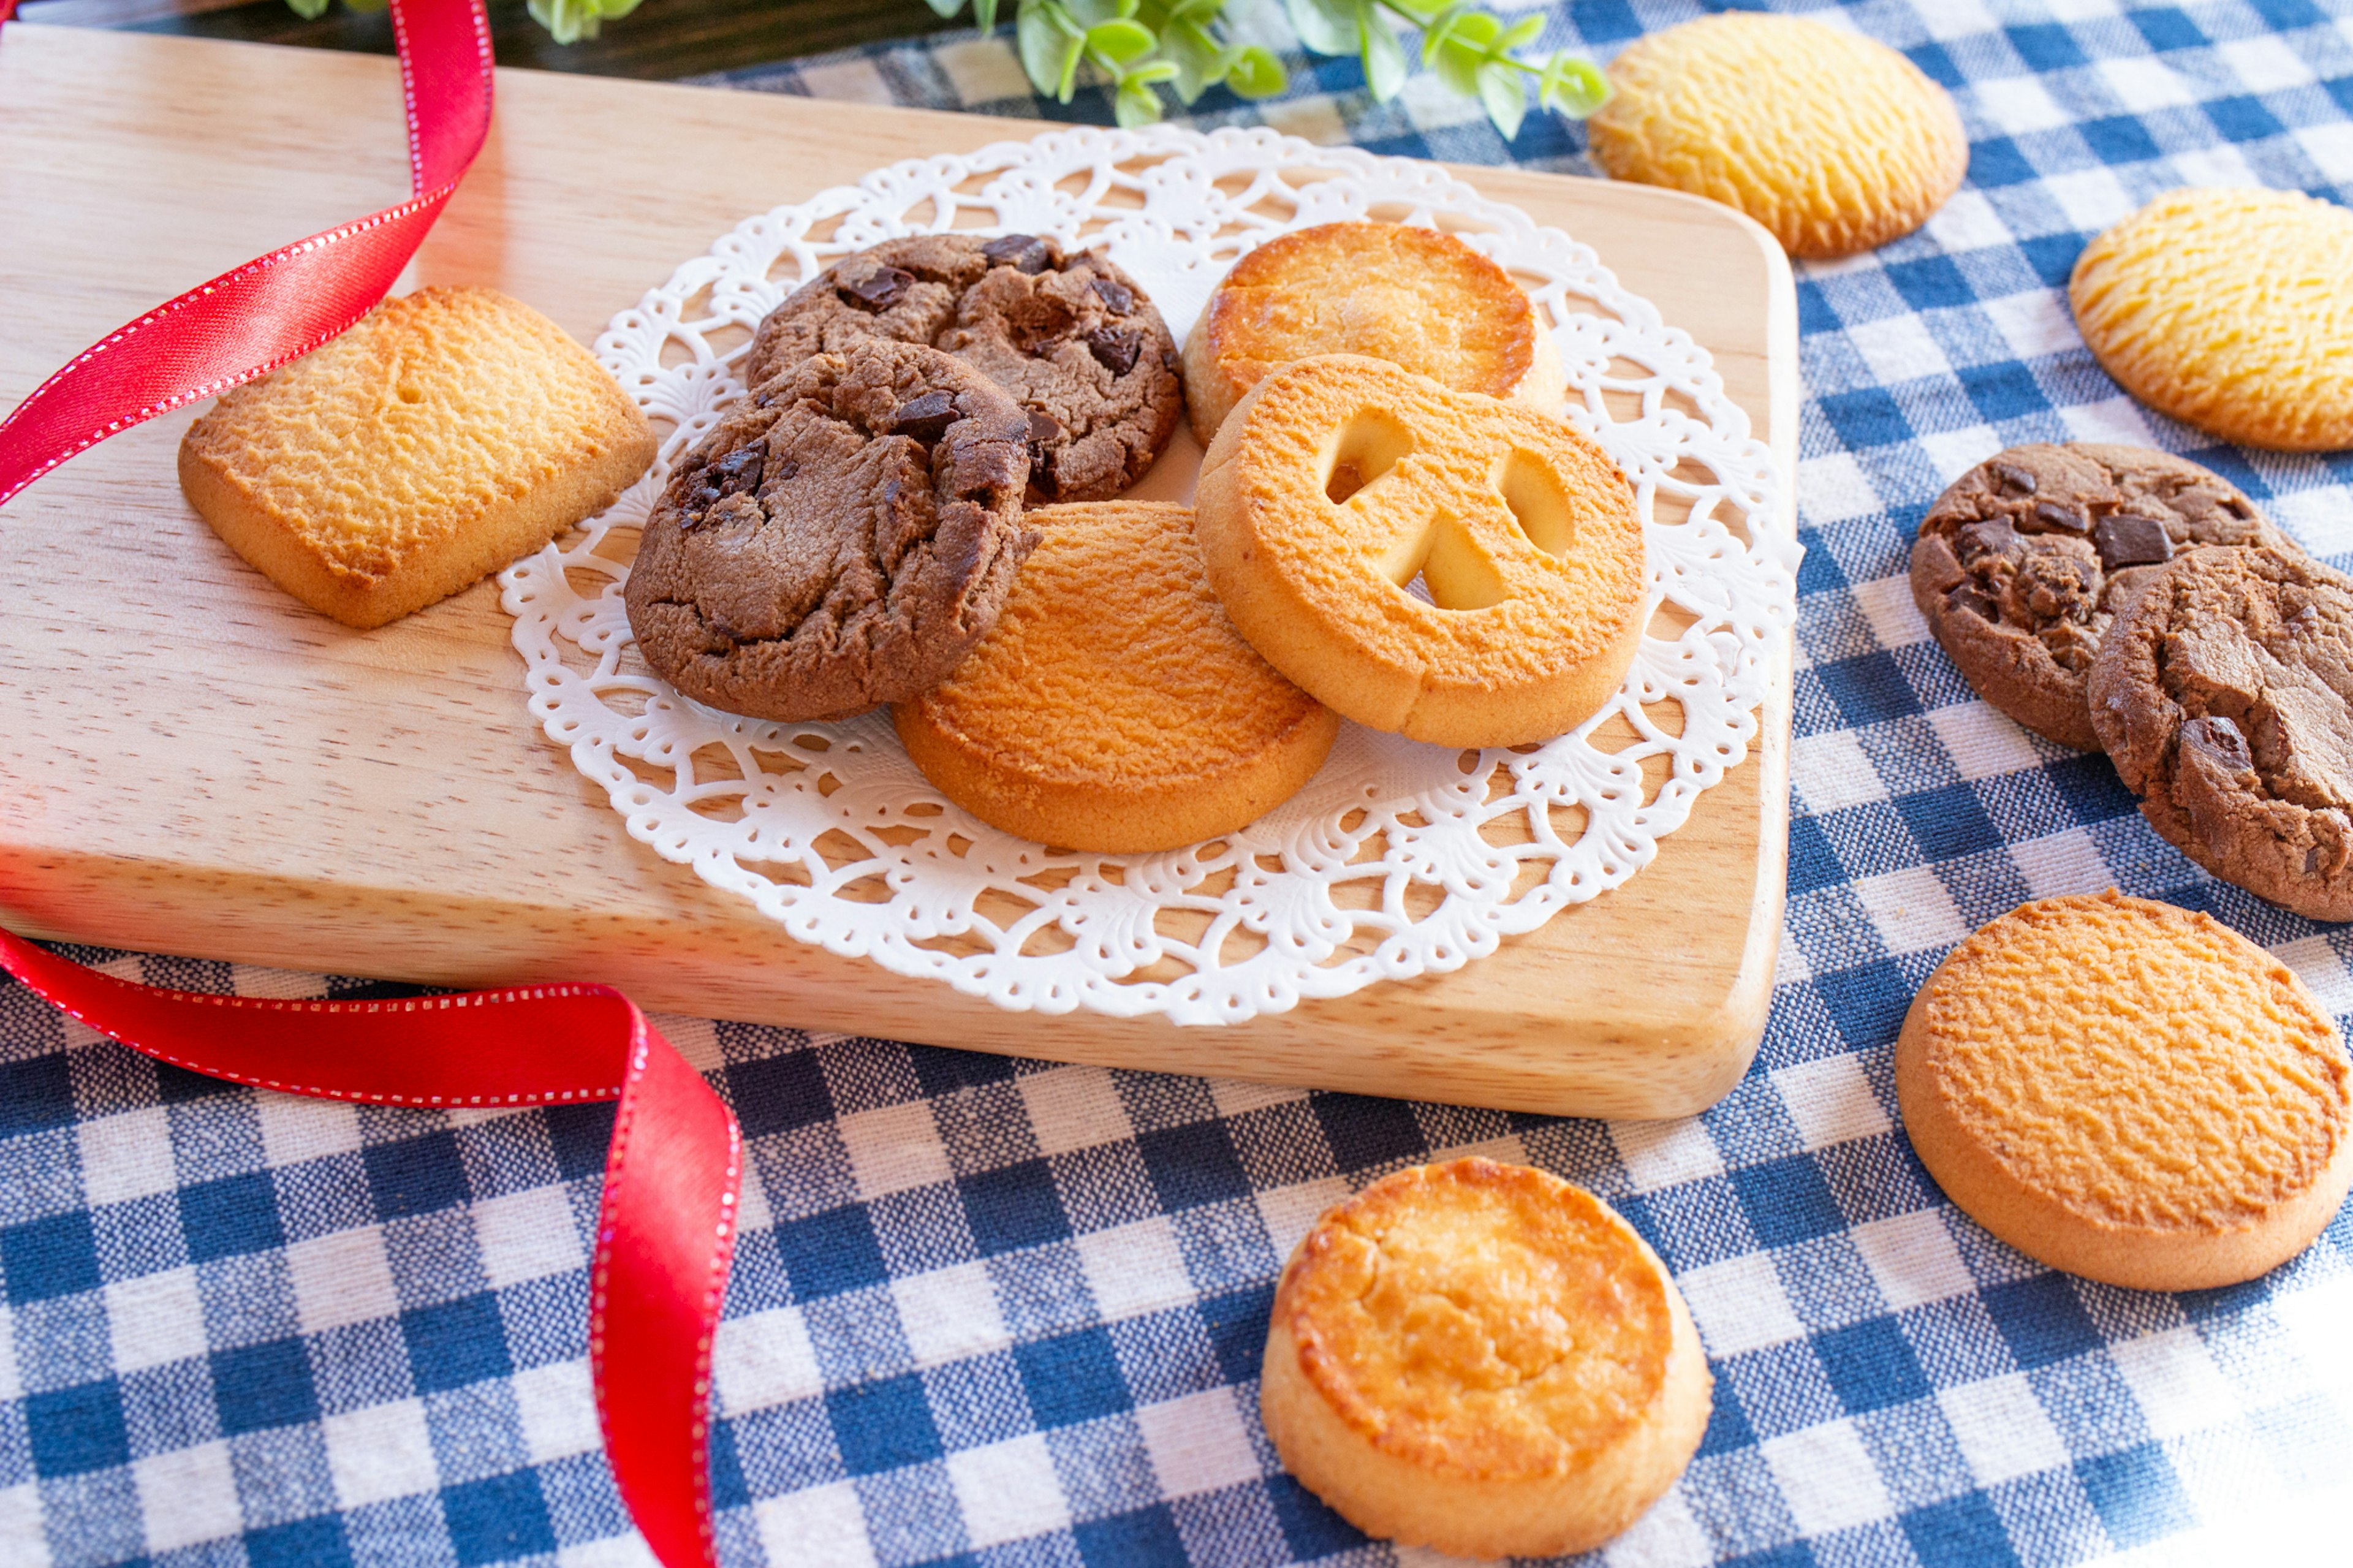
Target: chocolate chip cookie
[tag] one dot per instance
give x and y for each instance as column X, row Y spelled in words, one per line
column 2225, row 695
column 2024, row 560
column 842, row 539
column 1072, row 337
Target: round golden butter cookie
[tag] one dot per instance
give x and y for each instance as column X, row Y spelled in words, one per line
column 1833, row 142
column 1413, row 295
column 2128, row 1092
column 1113, row 708
column 1482, row 1358
column 2230, row 309
column 1341, row 480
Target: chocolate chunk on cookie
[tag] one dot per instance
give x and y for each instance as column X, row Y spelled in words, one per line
column 2024, row 560
column 841, row 538
column 2225, row 695
column 1072, row 337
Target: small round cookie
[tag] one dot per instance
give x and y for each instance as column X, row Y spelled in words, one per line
column 1339, row 480
column 2221, row 694
column 2024, row 560
column 1833, row 142
column 841, row 538
column 1482, row 1358
column 2229, row 309
column 2130, row 1093
column 1413, row 295
column 1114, row 709
column 1072, row 337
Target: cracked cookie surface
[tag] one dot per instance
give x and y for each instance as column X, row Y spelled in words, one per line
column 2025, row 559
column 2225, row 695
column 842, row 539
column 1072, row 337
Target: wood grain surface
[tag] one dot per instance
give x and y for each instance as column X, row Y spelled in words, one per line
column 191, row 763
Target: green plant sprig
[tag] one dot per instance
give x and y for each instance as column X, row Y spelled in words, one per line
column 1469, row 50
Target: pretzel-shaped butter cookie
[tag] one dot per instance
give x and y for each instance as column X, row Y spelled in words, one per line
column 1339, row 480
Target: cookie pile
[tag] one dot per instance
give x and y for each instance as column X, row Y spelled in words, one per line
column 1393, row 525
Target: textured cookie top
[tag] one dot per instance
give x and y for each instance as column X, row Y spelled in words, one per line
column 1416, row 297
column 436, row 408
column 1113, row 664
column 1072, row 337
column 2139, row 1064
column 1833, row 141
column 1356, row 476
column 1482, row 1319
column 2021, row 563
column 2225, row 698
column 842, row 539
column 2232, row 310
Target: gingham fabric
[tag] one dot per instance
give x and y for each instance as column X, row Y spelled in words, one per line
column 1001, row 1312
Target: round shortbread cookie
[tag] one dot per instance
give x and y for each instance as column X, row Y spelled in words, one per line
column 1341, row 480
column 2130, row 1093
column 1833, row 142
column 1482, row 1358
column 1114, row 707
column 2229, row 309
column 1413, row 295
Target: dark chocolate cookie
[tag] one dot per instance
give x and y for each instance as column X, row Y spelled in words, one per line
column 2225, row 695
column 1072, row 337
column 840, row 540
column 2023, row 561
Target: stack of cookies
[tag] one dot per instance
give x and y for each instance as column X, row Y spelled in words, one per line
column 917, row 504
column 2122, row 599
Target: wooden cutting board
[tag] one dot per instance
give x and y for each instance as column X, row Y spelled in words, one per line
column 192, row 763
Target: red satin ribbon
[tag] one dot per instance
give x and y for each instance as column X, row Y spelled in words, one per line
column 666, row 1232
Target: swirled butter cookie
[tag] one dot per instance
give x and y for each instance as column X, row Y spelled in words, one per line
column 1482, row 1358
column 842, row 539
column 2229, row 309
column 2222, row 695
column 2025, row 559
column 2128, row 1092
column 1413, row 295
column 1833, row 141
column 1114, row 707
column 1072, row 337
column 1338, row 481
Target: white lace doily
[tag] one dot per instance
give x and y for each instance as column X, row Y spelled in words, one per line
column 1397, row 858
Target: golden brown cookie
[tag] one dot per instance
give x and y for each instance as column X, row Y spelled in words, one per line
column 1340, row 480
column 1114, row 707
column 2230, row 309
column 1833, row 142
column 2025, row 559
column 2130, row 1093
column 1413, row 295
column 2221, row 694
column 1482, row 1358
column 446, row 433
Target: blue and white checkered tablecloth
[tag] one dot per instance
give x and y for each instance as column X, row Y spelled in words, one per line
column 1003, row 1312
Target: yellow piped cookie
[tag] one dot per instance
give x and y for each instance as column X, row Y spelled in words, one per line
column 1413, row 295
column 2128, row 1092
column 1833, row 142
column 1113, row 708
column 1484, row 1359
column 2230, row 309
column 1340, row 480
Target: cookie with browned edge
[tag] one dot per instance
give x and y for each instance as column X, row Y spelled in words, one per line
column 2024, row 560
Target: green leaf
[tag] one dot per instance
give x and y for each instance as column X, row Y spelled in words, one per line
column 984, row 15
column 1135, row 104
column 1118, row 42
column 1256, row 73
column 1196, row 58
column 1092, row 13
column 945, row 7
column 1572, row 85
column 1325, row 27
column 1151, row 73
column 1507, row 101
column 308, row 10
column 1519, row 33
column 1384, row 57
column 1049, row 46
